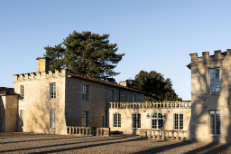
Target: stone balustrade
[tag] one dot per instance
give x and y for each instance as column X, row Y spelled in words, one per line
column 164, row 104
column 95, row 131
column 176, row 135
column 79, row 130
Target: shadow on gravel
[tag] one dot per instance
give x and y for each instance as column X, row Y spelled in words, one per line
column 88, row 146
column 208, row 149
column 57, row 145
column 163, row 148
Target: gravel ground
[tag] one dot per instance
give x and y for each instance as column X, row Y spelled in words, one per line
column 43, row 143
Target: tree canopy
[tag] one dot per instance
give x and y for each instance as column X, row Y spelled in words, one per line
column 154, row 85
column 85, row 53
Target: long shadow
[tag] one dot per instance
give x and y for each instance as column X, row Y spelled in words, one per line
column 40, row 140
column 164, row 148
column 56, row 145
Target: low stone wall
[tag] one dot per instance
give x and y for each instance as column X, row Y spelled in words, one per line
column 164, row 134
column 94, row 131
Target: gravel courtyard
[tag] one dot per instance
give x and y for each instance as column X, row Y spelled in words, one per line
column 42, row 143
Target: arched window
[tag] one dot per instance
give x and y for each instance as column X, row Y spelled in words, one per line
column 117, row 120
column 157, row 121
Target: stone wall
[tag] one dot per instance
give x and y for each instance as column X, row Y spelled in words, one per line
column 203, row 101
column 37, row 102
column 98, row 99
column 146, row 121
column 8, row 113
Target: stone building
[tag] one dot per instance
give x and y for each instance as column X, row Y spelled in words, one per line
column 49, row 101
column 52, row 100
column 210, row 97
column 8, row 109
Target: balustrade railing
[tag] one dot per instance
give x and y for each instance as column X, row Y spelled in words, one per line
column 166, row 104
column 164, row 134
column 95, row 131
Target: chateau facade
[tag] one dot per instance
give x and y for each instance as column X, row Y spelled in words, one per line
column 49, row 102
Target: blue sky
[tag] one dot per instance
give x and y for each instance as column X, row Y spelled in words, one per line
column 154, row 35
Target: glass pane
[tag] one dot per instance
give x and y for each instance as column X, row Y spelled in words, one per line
column 176, row 121
column 211, row 74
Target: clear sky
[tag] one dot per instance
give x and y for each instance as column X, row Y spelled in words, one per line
column 153, row 34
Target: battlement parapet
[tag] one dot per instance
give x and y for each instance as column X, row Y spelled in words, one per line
column 40, row 75
column 218, row 55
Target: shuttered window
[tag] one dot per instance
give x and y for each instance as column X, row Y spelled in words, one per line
column 22, row 118
column 85, row 120
column 52, row 118
column 22, row 92
column 111, row 96
column 85, row 93
column 214, row 80
column 215, row 122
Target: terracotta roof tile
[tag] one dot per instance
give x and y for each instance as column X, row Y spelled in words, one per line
column 74, row 75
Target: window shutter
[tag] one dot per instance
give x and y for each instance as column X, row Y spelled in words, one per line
column 86, row 93
column 52, row 118
column 83, row 93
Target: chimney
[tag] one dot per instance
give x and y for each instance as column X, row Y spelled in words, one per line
column 43, row 64
column 123, row 83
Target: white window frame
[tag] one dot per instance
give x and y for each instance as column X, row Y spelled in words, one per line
column 159, row 117
column 22, row 91
column 53, row 91
column 137, row 120
column 85, row 92
column 178, row 121
column 134, row 97
column 215, row 122
column 116, row 120
column 212, row 81
column 52, row 119
column 111, row 95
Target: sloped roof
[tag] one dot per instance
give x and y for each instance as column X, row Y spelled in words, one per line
column 7, row 91
column 84, row 77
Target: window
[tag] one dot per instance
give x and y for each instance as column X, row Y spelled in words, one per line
column 103, row 121
column 126, row 97
column 53, row 90
column 214, row 80
column 52, row 118
column 136, row 120
column 85, row 119
column 85, row 93
column 117, row 120
column 157, row 121
column 134, row 97
column 215, row 122
column 178, row 123
column 111, row 96
column 22, row 92
column 22, row 118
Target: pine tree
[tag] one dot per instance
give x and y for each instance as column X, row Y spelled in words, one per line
column 86, row 53
column 154, row 85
